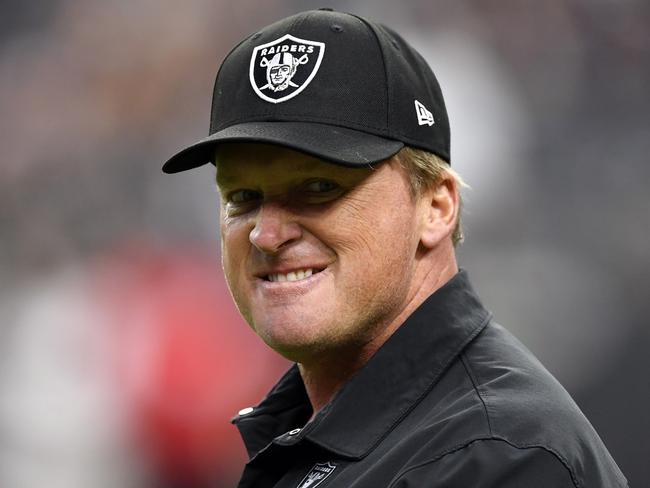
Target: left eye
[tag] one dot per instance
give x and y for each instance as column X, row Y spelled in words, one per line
column 244, row 196
column 321, row 186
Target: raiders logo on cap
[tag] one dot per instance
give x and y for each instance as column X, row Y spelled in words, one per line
column 281, row 69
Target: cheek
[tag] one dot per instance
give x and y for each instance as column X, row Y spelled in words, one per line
column 233, row 263
column 383, row 230
column 234, row 240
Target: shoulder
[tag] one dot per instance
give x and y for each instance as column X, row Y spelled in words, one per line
column 489, row 463
column 498, row 418
column 529, row 418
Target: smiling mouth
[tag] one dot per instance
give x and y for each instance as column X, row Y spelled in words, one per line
column 297, row 275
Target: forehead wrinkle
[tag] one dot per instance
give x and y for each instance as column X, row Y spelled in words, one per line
column 291, row 169
column 259, row 165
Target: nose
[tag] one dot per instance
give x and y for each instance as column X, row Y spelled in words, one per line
column 274, row 228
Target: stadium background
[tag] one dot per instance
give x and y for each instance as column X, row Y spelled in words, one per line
column 121, row 356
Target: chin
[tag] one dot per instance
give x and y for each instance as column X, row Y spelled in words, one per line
column 292, row 340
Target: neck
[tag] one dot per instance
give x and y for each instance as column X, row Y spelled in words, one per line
column 324, row 378
column 326, row 374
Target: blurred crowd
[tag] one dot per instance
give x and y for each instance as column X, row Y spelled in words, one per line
column 122, row 358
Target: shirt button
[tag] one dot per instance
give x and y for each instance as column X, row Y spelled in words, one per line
column 294, row 431
column 246, row 411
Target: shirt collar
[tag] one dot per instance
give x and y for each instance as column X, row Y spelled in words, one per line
column 400, row 373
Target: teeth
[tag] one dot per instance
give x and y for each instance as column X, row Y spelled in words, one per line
column 291, row 276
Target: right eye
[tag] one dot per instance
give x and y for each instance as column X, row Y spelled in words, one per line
column 244, row 196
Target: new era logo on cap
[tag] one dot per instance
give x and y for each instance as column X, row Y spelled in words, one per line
column 424, row 116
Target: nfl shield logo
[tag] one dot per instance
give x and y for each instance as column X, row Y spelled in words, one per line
column 281, row 69
column 317, row 475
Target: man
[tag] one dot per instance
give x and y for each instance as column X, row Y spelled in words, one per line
column 339, row 218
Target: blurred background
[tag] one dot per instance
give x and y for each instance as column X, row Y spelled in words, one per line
column 122, row 358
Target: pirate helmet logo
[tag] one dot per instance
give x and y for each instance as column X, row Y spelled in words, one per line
column 281, row 69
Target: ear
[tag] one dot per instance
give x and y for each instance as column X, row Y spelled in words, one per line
column 440, row 205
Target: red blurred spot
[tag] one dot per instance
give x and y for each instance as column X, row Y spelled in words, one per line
column 186, row 359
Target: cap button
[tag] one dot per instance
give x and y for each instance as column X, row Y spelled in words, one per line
column 326, row 9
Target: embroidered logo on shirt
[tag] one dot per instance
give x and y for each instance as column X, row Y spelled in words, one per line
column 281, row 69
column 424, row 116
column 317, row 475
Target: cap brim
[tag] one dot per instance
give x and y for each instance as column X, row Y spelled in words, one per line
column 338, row 145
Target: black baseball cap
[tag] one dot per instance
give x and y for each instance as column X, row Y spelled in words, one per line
column 330, row 84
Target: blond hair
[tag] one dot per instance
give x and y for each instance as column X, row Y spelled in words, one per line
column 426, row 170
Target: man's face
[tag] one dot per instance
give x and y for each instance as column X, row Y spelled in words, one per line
column 318, row 257
column 279, row 74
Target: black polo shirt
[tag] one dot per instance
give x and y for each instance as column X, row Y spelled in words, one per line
column 450, row 400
